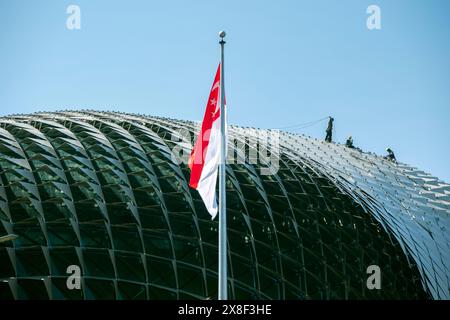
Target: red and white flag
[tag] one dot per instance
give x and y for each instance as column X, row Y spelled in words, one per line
column 205, row 156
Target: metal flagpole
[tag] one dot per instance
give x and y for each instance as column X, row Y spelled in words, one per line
column 223, row 270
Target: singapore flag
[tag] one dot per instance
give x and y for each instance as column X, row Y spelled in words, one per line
column 205, row 156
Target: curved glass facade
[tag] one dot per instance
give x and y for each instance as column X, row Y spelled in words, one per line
column 102, row 191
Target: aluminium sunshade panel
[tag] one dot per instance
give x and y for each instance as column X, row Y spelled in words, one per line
column 102, row 191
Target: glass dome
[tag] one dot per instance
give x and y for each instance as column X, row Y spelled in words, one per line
column 102, row 191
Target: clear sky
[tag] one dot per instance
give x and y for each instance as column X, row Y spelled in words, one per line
column 287, row 62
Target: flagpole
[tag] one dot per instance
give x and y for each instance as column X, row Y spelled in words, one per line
column 223, row 270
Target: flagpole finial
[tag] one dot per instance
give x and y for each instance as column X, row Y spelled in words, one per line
column 222, row 35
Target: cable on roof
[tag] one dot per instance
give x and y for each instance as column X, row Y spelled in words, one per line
column 303, row 125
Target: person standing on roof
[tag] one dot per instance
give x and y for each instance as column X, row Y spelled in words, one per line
column 349, row 143
column 329, row 130
column 390, row 156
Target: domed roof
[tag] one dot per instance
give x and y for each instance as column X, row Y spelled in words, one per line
column 107, row 191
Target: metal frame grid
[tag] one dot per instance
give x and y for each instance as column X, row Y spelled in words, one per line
column 101, row 190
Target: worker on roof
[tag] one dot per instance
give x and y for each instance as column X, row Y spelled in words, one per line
column 390, row 156
column 349, row 142
column 329, row 130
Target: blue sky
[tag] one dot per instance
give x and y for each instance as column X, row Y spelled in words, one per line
column 287, row 62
